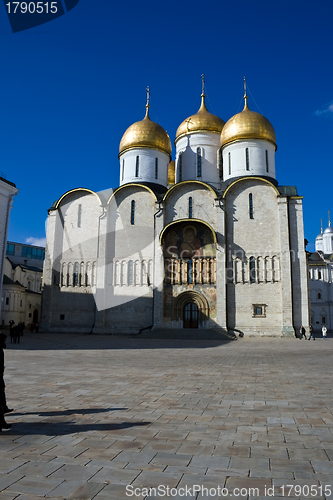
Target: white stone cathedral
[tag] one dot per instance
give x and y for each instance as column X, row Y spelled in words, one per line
column 209, row 240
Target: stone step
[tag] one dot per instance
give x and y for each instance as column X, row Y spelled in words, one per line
column 187, row 334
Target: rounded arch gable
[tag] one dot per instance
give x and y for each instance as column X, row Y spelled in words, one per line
column 190, row 222
column 183, row 183
column 248, row 178
column 84, row 190
column 131, row 184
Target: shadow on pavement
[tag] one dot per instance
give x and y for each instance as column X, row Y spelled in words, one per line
column 83, row 341
column 63, row 428
column 79, row 411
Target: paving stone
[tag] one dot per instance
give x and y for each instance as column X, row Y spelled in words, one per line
column 210, row 413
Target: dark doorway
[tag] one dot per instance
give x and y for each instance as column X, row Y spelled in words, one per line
column 35, row 316
column 191, row 314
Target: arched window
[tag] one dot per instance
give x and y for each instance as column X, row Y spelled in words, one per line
column 190, row 207
column 79, row 215
column 130, row 273
column 229, row 162
column 252, row 270
column 247, row 159
column 251, row 206
column 123, row 170
column 76, row 274
column 319, row 275
column 137, row 164
column 199, row 159
column 132, row 212
column 319, row 296
column 180, row 166
column 7, row 301
column 156, row 168
column 267, row 161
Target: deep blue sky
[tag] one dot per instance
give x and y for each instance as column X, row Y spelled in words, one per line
column 70, row 88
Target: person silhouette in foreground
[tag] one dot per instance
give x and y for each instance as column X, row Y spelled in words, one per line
column 3, row 404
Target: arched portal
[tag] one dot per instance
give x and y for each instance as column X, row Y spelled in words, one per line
column 190, row 310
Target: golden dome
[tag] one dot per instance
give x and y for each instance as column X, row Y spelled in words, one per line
column 247, row 125
column 172, row 172
column 146, row 134
column 203, row 120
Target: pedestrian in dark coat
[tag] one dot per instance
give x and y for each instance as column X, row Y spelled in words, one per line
column 302, row 332
column 3, row 404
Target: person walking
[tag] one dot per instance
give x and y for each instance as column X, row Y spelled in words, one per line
column 302, row 332
column 311, row 333
column 324, row 331
column 3, row 403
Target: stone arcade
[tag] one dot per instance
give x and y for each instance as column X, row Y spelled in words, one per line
column 210, row 240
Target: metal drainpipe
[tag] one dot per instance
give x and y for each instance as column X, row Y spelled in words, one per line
column 155, row 214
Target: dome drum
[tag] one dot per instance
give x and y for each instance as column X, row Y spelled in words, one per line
column 248, row 158
column 144, row 165
column 197, row 157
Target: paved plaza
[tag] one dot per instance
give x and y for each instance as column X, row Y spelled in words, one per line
column 101, row 417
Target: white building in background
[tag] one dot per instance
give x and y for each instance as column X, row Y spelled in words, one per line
column 22, row 283
column 7, row 192
column 210, row 240
column 320, row 265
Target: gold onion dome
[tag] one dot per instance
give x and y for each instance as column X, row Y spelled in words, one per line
column 247, row 125
column 146, row 134
column 202, row 121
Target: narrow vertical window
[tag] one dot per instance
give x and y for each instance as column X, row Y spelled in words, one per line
column 180, row 166
column 247, row 159
column 190, row 271
column 267, row 161
column 137, row 167
column 190, row 207
column 76, row 274
column 251, row 206
column 220, row 165
column 130, row 272
column 198, row 162
column 156, row 168
column 132, row 212
column 229, row 160
column 79, row 215
column 123, row 170
column 252, row 270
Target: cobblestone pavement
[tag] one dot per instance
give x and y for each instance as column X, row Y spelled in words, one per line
column 96, row 414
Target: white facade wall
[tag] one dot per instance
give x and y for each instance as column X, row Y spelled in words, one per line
column 7, row 192
column 147, row 163
column 257, row 159
column 187, row 146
